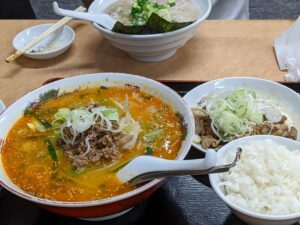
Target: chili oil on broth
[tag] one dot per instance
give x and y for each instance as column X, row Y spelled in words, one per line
column 28, row 164
column 183, row 11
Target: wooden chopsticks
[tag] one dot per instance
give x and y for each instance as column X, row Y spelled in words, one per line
column 52, row 29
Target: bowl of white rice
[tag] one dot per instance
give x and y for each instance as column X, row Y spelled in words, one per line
column 264, row 187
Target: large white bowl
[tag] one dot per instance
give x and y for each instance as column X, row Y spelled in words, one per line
column 287, row 99
column 153, row 47
column 248, row 216
column 117, row 204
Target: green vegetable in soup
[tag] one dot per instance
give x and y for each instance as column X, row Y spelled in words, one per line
column 28, row 111
column 103, row 87
column 49, row 94
column 234, row 113
column 52, row 153
column 45, row 123
column 142, row 10
column 61, row 115
column 154, row 134
column 39, row 124
column 111, row 114
column 149, row 151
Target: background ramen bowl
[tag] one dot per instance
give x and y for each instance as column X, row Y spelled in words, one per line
column 152, row 47
column 248, row 216
column 109, row 206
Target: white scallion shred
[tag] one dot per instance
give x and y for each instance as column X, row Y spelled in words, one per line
column 233, row 113
column 88, row 147
column 31, row 126
column 197, row 139
column 81, row 119
column 36, row 125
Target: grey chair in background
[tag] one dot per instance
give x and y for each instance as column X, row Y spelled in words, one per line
column 274, row 9
column 43, row 8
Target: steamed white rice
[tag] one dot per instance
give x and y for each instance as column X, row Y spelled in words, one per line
column 265, row 180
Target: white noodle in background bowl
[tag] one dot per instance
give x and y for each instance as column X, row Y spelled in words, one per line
column 246, row 215
column 284, row 98
column 152, row 47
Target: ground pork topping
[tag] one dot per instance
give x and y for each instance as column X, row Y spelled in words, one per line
column 96, row 146
column 96, row 135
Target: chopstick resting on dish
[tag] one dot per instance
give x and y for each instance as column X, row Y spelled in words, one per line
column 42, row 36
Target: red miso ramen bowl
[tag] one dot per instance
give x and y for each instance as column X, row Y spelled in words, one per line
column 108, row 207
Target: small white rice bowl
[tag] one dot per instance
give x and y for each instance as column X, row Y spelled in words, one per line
column 264, row 186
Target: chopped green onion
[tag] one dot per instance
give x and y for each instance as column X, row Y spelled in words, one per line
column 111, row 114
column 28, row 111
column 153, row 134
column 52, row 153
column 49, row 95
column 44, row 123
column 141, row 11
column 171, row 3
column 149, row 151
column 233, row 113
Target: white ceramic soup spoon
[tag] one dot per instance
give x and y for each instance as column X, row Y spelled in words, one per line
column 144, row 168
column 102, row 19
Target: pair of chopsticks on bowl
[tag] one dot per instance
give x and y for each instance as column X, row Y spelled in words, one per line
column 42, row 36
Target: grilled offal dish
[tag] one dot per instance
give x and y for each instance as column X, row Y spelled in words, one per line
column 224, row 116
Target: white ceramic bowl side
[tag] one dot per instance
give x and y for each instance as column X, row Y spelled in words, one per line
column 154, row 47
column 284, row 97
column 249, row 216
column 15, row 111
column 58, row 42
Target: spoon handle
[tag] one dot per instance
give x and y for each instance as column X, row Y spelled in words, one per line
column 159, row 174
column 149, row 167
column 102, row 19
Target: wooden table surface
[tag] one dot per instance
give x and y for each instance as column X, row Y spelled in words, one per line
column 219, row 49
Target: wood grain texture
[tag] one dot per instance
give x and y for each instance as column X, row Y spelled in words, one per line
column 219, row 49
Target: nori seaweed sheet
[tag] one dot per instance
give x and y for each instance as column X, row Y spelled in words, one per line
column 123, row 29
column 154, row 25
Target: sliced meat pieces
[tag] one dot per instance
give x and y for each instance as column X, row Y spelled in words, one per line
column 293, row 133
column 203, row 128
column 208, row 141
column 202, row 122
